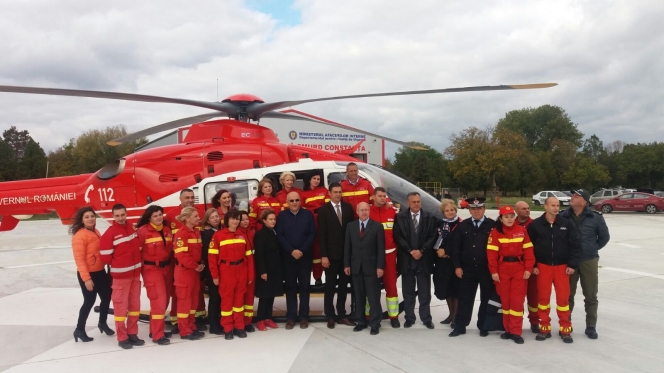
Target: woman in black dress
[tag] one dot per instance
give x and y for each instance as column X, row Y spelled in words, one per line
column 269, row 271
column 446, row 283
column 211, row 223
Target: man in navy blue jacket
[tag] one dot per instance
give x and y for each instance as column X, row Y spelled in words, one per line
column 296, row 230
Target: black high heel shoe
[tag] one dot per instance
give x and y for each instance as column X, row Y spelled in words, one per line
column 82, row 335
column 103, row 328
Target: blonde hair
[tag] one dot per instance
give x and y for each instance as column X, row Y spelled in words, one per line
column 445, row 203
column 209, row 213
column 185, row 213
column 283, row 175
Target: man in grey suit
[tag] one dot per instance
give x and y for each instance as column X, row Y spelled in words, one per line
column 364, row 257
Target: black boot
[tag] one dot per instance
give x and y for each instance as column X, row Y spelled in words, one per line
column 240, row 333
column 103, row 328
column 134, row 340
column 249, row 328
column 200, row 324
column 126, row 344
column 80, row 334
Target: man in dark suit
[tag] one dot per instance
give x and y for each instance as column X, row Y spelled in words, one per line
column 470, row 262
column 415, row 233
column 364, row 257
column 333, row 217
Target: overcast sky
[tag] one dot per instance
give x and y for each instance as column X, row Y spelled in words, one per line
column 607, row 57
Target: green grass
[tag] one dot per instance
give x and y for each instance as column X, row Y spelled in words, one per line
column 491, row 202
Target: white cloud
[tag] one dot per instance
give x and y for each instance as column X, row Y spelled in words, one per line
column 605, row 55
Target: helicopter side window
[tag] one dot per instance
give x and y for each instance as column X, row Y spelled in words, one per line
column 242, row 192
column 299, row 179
column 335, row 177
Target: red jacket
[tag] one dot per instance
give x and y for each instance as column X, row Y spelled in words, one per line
column 260, row 204
column 514, row 242
column 385, row 215
column 362, row 191
column 282, row 197
column 121, row 250
column 314, row 199
column 154, row 247
column 526, row 224
column 188, row 247
column 230, row 247
column 174, row 224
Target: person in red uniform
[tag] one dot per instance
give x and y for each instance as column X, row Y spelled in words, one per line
column 223, row 201
column 557, row 255
column 121, row 250
column 384, row 213
column 228, row 257
column 263, row 201
column 511, row 260
column 251, row 286
column 156, row 242
column 187, row 199
column 355, row 188
column 314, row 196
column 287, row 180
column 523, row 219
column 188, row 249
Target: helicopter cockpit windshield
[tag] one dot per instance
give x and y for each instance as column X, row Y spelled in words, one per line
column 398, row 188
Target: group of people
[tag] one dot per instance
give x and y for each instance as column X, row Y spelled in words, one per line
column 352, row 233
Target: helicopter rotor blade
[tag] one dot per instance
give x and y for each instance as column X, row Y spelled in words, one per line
column 221, row 106
column 280, row 115
column 257, row 109
column 164, row 127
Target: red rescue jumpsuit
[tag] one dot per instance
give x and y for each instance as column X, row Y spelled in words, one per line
column 385, row 215
column 188, row 250
column 282, row 197
column 312, row 201
column 533, row 311
column 258, row 205
column 228, row 256
column 174, row 224
column 509, row 255
column 121, row 249
column 156, row 250
column 251, row 288
column 361, row 191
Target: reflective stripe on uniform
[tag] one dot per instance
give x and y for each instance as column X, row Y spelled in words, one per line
column 153, row 240
column 564, row 308
column 356, row 193
column 388, row 226
column 181, row 249
column 516, row 313
column 134, row 313
column 126, row 269
column 238, row 309
column 183, row 315
column 313, row 199
column 226, row 313
column 174, row 231
column 157, row 317
column 247, row 253
column 510, row 240
column 213, row 251
column 532, row 309
column 494, row 303
column 120, row 318
column 200, row 313
column 545, row 327
column 389, row 251
column 124, row 239
column 106, row 252
column 194, row 240
column 192, row 312
column 492, row 247
column 232, row 241
column 544, row 306
column 392, row 306
column 316, row 261
column 527, row 245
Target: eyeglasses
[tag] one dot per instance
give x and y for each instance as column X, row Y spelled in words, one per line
column 293, row 200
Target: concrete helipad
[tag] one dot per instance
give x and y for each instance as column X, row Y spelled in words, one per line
column 39, row 301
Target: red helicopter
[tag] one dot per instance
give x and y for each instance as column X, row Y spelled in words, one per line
column 231, row 153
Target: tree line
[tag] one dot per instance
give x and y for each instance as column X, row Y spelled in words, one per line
column 534, row 149
column 23, row 157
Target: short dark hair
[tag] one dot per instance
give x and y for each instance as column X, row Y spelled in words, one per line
column 185, row 190
column 379, row 189
column 351, row 164
column 234, row 214
column 334, row 185
column 118, row 206
column 412, row 194
column 267, row 213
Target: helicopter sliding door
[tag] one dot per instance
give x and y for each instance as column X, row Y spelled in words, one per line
column 242, row 192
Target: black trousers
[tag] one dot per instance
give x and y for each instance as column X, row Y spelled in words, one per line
column 472, row 277
column 214, row 303
column 102, row 287
column 367, row 286
column 265, row 306
column 298, row 279
column 409, row 281
column 335, row 277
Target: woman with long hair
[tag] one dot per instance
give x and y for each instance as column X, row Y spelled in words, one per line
column 445, row 282
column 264, row 200
column 511, row 260
column 222, row 201
column 269, row 270
column 287, row 181
column 313, row 197
column 188, row 248
column 156, row 242
column 251, row 287
column 211, row 224
column 92, row 278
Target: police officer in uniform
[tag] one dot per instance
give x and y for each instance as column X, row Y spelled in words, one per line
column 471, row 266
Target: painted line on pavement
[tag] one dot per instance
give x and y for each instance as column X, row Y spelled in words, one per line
column 628, row 245
column 646, row 274
column 38, row 264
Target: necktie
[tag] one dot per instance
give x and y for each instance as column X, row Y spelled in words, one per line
column 477, row 223
column 339, row 213
column 415, row 222
column 362, row 229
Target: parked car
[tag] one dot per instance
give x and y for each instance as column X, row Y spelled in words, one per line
column 659, row 193
column 631, row 202
column 568, row 194
column 606, row 194
column 539, row 198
